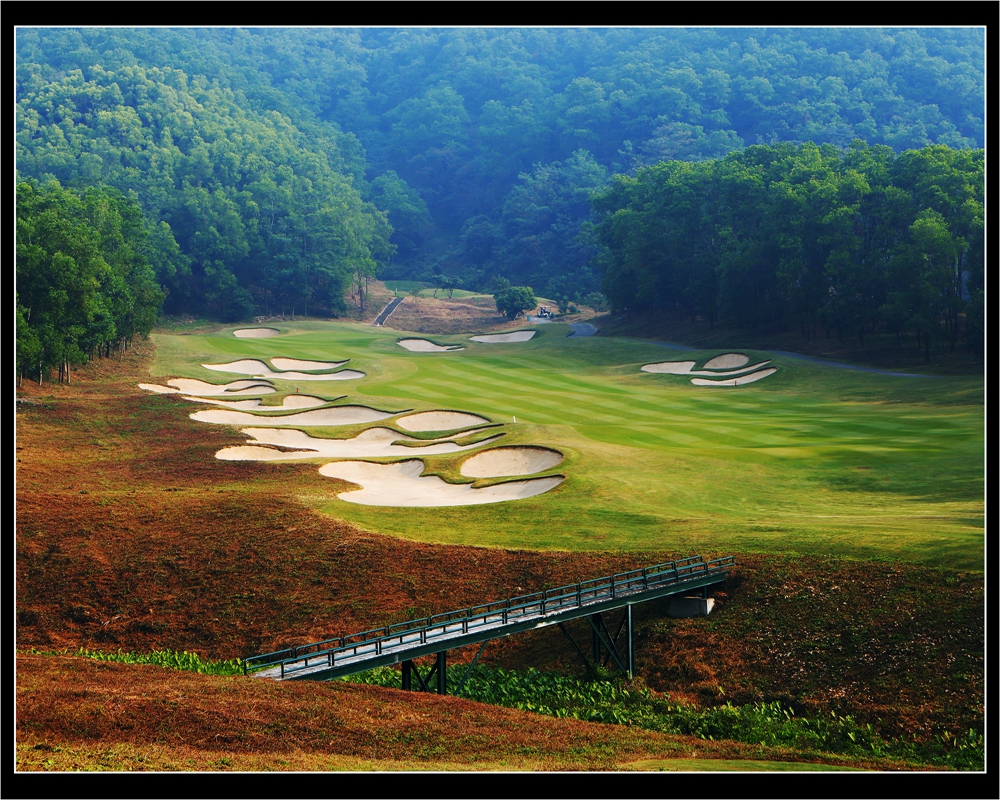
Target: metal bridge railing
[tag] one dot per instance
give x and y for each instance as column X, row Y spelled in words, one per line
column 495, row 614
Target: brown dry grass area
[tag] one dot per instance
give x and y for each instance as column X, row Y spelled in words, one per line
column 131, row 535
column 466, row 315
column 148, row 717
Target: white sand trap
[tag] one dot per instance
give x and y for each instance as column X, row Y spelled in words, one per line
column 425, row 346
column 235, row 405
column 499, row 338
column 302, row 401
column 727, row 361
column 291, row 401
column 670, row 367
column 402, row 484
column 247, row 366
column 755, row 376
column 251, row 366
column 297, row 377
column 199, row 388
column 256, row 333
column 439, row 421
column 155, row 387
column 687, row 368
column 339, row 415
column 501, row 461
column 372, row 443
column 298, row 363
column 717, row 373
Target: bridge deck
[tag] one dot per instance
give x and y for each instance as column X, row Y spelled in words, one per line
column 358, row 652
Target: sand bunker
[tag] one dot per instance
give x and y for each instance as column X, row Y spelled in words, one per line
column 728, row 372
column 372, row 443
column 247, row 366
column 291, row 401
column 155, row 387
column 439, row 421
column 343, row 375
column 426, row 346
column 498, row 338
column 685, row 368
column 670, row 367
column 193, row 386
column 256, row 333
column 402, row 484
column 727, row 361
column 298, row 363
column 250, row 366
column 501, row 461
column 754, row 376
column 339, row 415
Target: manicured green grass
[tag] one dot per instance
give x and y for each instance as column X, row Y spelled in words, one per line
column 813, row 459
column 426, row 289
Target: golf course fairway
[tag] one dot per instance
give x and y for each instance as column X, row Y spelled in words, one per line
column 812, row 459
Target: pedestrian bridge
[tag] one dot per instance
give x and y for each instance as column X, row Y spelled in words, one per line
column 405, row 641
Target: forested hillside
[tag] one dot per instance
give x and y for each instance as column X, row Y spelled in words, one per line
column 288, row 165
column 854, row 242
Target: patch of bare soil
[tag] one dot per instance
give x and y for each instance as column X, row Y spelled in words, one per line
column 466, row 315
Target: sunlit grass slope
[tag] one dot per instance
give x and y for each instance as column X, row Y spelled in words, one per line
column 812, row 459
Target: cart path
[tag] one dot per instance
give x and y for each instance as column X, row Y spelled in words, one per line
column 387, row 311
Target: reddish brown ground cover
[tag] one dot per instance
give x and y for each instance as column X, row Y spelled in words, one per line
column 443, row 316
column 131, row 535
column 84, row 703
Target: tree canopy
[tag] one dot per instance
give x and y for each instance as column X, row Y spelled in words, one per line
column 809, row 235
column 447, row 123
column 84, row 281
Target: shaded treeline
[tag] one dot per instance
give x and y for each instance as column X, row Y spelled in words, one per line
column 834, row 242
column 85, row 278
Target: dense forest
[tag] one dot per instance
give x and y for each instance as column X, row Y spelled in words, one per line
column 855, row 241
column 278, row 170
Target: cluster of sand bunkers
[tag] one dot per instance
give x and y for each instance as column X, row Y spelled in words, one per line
column 427, row 346
column 275, row 433
column 728, row 369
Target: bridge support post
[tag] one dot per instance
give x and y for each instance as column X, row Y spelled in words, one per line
column 595, row 621
column 407, row 675
column 628, row 641
column 442, row 674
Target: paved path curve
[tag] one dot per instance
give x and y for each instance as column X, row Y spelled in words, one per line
column 582, row 329
column 840, row 365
